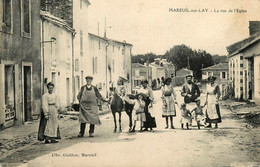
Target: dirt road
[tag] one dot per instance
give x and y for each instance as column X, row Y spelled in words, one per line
column 232, row 144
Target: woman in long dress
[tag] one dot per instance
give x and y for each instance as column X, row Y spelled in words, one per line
column 212, row 98
column 168, row 97
column 148, row 98
column 49, row 127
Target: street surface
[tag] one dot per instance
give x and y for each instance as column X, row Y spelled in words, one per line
column 232, row 144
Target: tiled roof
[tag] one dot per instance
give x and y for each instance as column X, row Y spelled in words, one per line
column 55, row 20
column 138, row 65
column 219, row 66
column 241, row 45
column 107, row 39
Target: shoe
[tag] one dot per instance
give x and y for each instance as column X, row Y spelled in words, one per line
column 172, row 127
column 46, row 142
column 54, row 141
column 166, row 127
column 133, row 130
column 151, row 130
column 209, row 126
column 91, row 135
column 141, row 130
column 145, row 129
column 80, row 135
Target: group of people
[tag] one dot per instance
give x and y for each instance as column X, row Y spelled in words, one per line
column 192, row 108
column 88, row 112
column 88, row 107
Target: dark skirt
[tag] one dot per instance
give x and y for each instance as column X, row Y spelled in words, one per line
column 148, row 117
column 217, row 120
column 41, row 130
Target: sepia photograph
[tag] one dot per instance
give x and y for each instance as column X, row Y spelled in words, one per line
column 119, row 83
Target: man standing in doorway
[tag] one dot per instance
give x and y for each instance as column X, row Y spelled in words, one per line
column 190, row 91
column 88, row 112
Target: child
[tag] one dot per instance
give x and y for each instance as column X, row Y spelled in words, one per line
column 138, row 111
column 185, row 116
column 198, row 113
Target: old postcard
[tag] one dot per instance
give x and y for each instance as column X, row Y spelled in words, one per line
column 129, row 83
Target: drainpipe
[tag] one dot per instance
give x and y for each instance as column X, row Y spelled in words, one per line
column 43, row 68
column 72, row 65
column 106, row 68
column 130, row 77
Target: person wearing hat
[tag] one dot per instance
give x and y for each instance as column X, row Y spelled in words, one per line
column 212, row 98
column 88, row 110
column 49, row 127
column 169, row 99
column 147, row 91
column 190, row 91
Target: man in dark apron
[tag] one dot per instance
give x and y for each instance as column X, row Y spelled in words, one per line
column 88, row 107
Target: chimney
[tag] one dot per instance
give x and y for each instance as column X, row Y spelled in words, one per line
column 254, row 27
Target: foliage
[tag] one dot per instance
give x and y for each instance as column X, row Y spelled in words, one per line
column 179, row 56
column 59, row 8
column 144, row 58
column 219, row 59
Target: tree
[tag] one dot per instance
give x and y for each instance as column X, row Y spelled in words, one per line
column 59, row 8
column 219, row 59
column 178, row 55
column 140, row 58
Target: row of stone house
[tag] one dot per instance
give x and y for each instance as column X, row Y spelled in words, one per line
column 37, row 47
column 152, row 72
column 244, row 65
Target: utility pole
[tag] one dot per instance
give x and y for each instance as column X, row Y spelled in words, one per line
column 105, row 28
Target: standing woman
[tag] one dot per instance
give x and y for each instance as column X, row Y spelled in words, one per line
column 147, row 91
column 48, row 129
column 169, row 98
column 212, row 98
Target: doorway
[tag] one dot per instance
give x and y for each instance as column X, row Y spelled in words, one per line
column 27, row 93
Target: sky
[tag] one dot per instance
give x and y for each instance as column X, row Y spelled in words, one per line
column 151, row 27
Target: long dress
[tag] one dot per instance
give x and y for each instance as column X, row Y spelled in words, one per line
column 213, row 112
column 49, row 128
column 88, row 112
column 168, row 95
column 149, row 97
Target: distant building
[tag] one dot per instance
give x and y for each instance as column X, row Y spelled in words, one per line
column 158, row 72
column 139, row 73
column 220, row 71
column 180, row 77
column 169, row 68
column 244, row 63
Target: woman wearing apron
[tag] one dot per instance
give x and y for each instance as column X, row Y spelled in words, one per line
column 147, row 91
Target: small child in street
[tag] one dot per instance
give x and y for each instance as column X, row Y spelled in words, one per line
column 138, row 111
column 185, row 116
column 198, row 114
